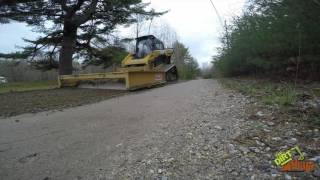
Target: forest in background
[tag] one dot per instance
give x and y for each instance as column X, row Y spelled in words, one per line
column 279, row 38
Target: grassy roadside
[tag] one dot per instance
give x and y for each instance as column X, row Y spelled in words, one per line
column 298, row 103
column 27, row 86
column 16, row 103
column 279, row 116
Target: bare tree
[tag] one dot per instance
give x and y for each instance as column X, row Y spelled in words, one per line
column 164, row 32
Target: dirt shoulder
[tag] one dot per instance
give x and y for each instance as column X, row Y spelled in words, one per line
column 280, row 116
column 15, row 103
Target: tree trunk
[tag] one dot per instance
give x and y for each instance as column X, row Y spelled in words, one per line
column 67, row 50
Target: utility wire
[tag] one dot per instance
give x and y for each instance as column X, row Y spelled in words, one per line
column 217, row 13
column 223, row 25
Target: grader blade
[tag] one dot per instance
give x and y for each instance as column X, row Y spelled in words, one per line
column 117, row 80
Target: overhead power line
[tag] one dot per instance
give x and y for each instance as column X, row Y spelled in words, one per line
column 217, row 13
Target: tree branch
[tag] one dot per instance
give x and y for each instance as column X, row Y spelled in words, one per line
column 87, row 13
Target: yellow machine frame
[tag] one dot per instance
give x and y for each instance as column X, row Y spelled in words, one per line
column 133, row 80
column 134, row 73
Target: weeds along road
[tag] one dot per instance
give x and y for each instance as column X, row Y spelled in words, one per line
column 177, row 131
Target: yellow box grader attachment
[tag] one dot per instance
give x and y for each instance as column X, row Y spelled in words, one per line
column 150, row 65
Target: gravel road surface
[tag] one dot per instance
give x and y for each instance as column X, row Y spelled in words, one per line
column 179, row 131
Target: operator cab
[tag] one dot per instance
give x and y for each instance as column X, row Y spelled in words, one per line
column 146, row 44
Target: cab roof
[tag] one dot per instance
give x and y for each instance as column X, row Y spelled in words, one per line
column 146, row 37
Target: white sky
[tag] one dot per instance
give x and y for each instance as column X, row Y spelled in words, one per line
column 195, row 22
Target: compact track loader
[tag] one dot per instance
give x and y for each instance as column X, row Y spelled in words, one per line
column 150, row 65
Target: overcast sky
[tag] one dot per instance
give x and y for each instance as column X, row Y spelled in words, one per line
column 195, row 22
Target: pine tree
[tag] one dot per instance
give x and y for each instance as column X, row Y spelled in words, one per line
column 70, row 27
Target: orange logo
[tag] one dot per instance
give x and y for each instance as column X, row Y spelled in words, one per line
column 285, row 160
column 299, row 166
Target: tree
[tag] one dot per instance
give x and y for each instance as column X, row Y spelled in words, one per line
column 140, row 23
column 165, row 33
column 70, row 27
column 278, row 37
column 108, row 56
column 187, row 66
column 147, row 26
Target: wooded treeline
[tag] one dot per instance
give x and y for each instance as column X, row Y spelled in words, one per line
column 276, row 37
column 187, row 65
column 21, row 71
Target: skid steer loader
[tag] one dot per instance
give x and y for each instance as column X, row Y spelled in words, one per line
column 150, row 65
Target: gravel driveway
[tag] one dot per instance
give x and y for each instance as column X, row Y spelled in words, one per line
column 179, row 131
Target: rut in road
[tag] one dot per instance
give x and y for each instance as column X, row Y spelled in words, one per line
column 180, row 131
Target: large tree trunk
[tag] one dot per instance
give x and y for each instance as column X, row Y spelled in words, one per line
column 67, row 49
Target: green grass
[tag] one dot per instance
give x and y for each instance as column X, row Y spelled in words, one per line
column 268, row 93
column 27, row 86
column 316, row 92
column 282, row 95
column 314, row 119
column 286, row 96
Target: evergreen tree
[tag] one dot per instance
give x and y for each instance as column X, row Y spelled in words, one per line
column 187, row 66
column 278, row 37
column 70, row 27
